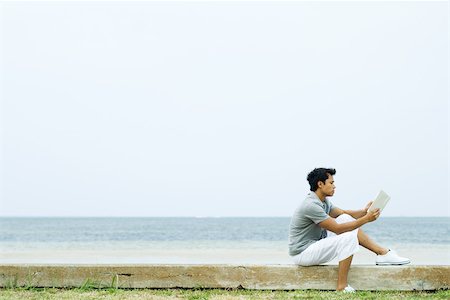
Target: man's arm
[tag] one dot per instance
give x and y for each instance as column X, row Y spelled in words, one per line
column 331, row 224
column 336, row 212
column 356, row 213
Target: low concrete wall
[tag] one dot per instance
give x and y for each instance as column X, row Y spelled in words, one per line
column 272, row 277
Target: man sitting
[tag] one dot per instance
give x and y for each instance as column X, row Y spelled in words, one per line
column 319, row 231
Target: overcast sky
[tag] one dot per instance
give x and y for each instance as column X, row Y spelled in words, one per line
column 222, row 108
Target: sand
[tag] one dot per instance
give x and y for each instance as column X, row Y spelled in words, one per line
column 419, row 254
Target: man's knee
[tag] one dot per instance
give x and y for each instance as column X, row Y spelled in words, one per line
column 348, row 239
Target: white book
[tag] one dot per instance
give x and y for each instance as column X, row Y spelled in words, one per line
column 380, row 202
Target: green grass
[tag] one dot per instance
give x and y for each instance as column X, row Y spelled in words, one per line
column 88, row 292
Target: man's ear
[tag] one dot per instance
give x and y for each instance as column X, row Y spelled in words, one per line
column 320, row 184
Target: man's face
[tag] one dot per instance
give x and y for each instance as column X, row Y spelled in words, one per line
column 328, row 187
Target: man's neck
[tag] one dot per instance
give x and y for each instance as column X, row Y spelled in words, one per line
column 320, row 195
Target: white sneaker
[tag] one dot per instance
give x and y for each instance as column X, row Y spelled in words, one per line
column 391, row 258
column 348, row 289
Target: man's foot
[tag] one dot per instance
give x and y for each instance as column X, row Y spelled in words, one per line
column 348, row 289
column 391, row 258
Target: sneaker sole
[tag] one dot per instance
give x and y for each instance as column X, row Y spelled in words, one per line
column 394, row 264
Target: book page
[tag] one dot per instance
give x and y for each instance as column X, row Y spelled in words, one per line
column 380, row 202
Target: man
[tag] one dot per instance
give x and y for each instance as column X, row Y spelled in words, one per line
column 320, row 232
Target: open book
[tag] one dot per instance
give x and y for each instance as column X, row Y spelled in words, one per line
column 380, row 202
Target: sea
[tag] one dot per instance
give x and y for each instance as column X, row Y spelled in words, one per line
column 191, row 240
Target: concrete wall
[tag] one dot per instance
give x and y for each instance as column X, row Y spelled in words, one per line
column 273, row 277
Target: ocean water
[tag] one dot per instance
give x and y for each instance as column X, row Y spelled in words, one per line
column 60, row 231
column 195, row 240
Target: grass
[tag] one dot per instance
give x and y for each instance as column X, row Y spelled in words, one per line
column 88, row 292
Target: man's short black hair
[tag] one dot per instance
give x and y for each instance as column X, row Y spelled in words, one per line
column 319, row 174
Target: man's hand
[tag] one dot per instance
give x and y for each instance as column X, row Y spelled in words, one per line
column 372, row 215
column 367, row 206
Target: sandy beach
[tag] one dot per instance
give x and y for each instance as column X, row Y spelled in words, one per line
column 419, row 254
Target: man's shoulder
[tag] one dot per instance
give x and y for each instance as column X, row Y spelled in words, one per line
column 308, row 204
column 312, row 199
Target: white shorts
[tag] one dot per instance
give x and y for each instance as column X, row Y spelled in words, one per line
column 341, row 246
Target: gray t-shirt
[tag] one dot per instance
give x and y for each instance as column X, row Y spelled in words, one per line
column 303, row 230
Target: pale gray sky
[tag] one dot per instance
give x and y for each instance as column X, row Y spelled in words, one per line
column 221, row 109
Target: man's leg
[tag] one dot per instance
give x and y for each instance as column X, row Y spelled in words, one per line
column 327, row 249
column 384, row 256
column 341, row 246
column 344, row 267
column 365, row 241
